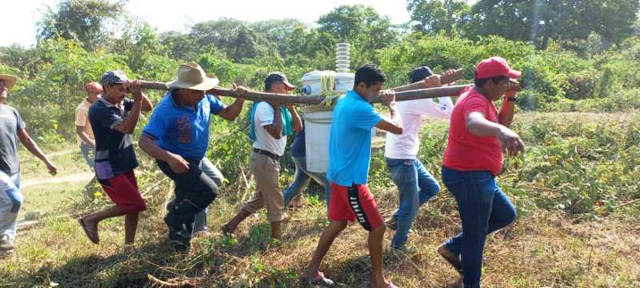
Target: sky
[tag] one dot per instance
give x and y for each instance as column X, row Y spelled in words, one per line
column 22, row 15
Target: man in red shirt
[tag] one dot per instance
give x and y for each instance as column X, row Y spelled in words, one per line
column 473, row 158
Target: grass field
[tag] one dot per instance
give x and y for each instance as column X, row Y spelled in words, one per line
column 578, row 223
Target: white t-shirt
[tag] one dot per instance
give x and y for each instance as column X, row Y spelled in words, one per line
column 264, row 140
column 406, row 145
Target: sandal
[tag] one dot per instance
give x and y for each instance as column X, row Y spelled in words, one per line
column 91, row 234
column 392, row 224
column 225, row 230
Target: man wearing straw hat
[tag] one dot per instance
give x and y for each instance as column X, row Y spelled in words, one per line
column 177, row 136
column 472, row 160
column 12, row 128
column 113, row 119
column 270, row 123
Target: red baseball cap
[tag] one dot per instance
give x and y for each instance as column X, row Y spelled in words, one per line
column 494, row 67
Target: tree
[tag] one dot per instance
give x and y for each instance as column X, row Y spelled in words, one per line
column 274, row 34
column 435, row 16
column 347, row 22
column 138, row 43
column 232, row 36
column 614, row 20
column 16, row 56
column 541, row 21
column 179, row 46
column 83, row 20
column 361, row 26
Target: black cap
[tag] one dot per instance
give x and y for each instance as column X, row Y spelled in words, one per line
column 113, row 77
column 274, row 77
column 418, row 74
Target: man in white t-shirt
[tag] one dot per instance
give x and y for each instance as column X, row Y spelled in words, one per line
column 271, row 124
column 415, row 184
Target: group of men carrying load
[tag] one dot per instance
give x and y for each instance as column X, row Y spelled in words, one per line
column 177, row 137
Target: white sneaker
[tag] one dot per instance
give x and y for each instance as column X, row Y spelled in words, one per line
column 6, row 245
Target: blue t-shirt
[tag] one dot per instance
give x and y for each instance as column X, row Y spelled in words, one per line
column 183, row 130
column 350, row 140
column 298, row 146
column 115, row 153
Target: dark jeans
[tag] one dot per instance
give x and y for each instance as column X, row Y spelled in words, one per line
column 415, row 187
column 483, row 208
column 210, row 170
column 302, row 178
column 194, row 191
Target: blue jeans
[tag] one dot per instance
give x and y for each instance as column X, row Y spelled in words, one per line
column 483, row 208
column 10, row 201
column 88, row 154
column 415, row 187
column 200, row 223
column 302, row 178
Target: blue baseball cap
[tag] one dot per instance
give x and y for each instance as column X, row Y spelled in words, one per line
column 274, row 77
column 113, row 77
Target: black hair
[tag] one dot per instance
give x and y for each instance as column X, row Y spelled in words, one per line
column 479, row 82
column 419, row 73
column 370, row 74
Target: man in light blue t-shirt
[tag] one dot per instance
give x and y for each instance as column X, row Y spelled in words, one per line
column 349, row 155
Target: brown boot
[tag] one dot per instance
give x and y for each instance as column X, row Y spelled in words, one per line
column 452, row 258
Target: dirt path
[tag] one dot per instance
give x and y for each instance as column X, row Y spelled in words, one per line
column 63, row 152
column 72, row 178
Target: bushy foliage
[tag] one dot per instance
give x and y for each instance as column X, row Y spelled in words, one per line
column 48, row 100
column 53, row 73
column 583, row 164
column 550, row 77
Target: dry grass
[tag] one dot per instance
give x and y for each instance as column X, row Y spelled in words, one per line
column 544, row 248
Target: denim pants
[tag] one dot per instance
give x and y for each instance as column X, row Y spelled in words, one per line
column 88, row 154
column 483, row 208
column 10, row 201
column 302, row 178
column 200, row 223
column 194, row 191
column 415, row 187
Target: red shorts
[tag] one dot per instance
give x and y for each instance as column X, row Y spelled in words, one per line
column 123, row 190
column 354, row 203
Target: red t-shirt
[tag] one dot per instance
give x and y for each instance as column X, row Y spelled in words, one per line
column 465, row 151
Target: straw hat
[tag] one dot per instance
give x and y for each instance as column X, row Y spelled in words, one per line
column 9, row 80
column 191, row 76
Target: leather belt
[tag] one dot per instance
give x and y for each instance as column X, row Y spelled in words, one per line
column 267, row 153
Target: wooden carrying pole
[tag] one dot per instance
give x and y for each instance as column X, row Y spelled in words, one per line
column 444, row 79
column 315, row 100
